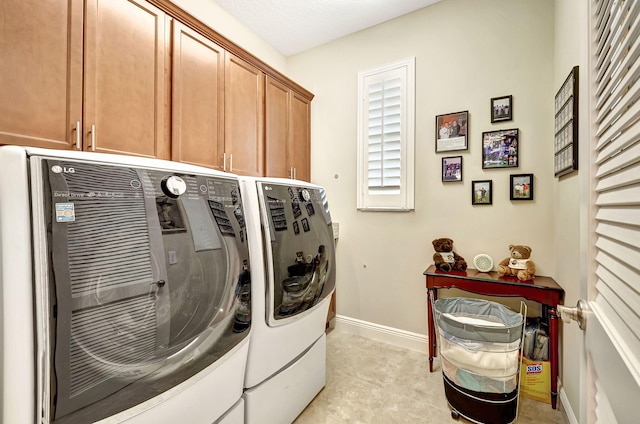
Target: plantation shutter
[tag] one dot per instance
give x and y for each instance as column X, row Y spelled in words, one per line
column 616, row 90
column 386, row 137
column 384, row 103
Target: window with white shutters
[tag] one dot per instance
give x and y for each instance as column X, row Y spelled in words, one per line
column 386, row 137
column 615, row 89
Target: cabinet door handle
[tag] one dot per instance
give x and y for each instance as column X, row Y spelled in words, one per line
column 295, row 173
column 231, row 162
column 290, row 172
column 78, row 136
column 93, row 138
column 224, row 162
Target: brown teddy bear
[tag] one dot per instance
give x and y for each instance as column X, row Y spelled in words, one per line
column 518, row 263
column 445, row 258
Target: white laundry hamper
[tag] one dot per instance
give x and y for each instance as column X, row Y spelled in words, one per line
column 480, row 343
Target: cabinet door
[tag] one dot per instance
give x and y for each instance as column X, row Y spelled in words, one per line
column 243, row 117
column 299, row 144
column 277, row 107
column 41, row 73
column 125, row 78
column 197, row 99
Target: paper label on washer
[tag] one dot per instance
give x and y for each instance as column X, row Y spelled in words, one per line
column 65, row 212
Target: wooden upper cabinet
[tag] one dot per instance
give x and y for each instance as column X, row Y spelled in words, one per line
column 197, row 99
column 277, row 116
column 243, row 117
column 40, row 72
column 299, row 143
column 287, row 126
column 125, row 78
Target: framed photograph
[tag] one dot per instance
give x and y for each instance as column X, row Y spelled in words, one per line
column 482, row 192
column 521, row 187
column 566, row 126
column 501, row 109
column 171, row 220
column 305, row 225
column 452, row 168
column 296, row 227
column 451, row 132
column 295, row 208
column 310, row 210
column 500, row 149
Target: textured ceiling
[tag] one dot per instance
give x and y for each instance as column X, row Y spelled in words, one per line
column 293, row 26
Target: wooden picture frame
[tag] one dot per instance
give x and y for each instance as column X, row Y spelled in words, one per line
column 451, row 169
column 482, row 192
column 521, row 187
column 501, row 109
column 500, row 149
column 452, row 131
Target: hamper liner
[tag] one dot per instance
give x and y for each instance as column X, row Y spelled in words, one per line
column 480, row 344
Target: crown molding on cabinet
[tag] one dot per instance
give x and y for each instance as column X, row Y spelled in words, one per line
column 194, row 23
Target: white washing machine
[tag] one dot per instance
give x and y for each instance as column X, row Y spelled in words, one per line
column 124, row 291
column 291, row 234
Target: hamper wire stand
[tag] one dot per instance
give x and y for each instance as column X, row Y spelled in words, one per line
column 480, row 344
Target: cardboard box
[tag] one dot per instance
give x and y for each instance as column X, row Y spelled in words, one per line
column 535, row 380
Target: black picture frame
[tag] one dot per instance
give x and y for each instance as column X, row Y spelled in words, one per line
column 452, row 131
column 500, row 149
column 566, row 126
column 521, row 187
column 482, row 192
column 501, row 109
column 451, row 169
column 305, row 224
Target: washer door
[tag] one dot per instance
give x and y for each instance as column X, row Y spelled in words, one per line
column 149, row 280
column 300, row 248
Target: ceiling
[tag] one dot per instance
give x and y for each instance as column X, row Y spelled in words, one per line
column 293, row 26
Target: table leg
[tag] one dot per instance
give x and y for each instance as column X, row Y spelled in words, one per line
column 431, row 297
column 553, row 354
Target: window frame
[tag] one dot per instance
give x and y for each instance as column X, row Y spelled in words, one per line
column 402, row 199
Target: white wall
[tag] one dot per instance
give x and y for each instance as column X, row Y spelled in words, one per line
column 214, row 16
column 466, row 52
column 571, row 38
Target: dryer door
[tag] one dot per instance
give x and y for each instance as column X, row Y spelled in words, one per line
column 300, row 248
column 148, row 282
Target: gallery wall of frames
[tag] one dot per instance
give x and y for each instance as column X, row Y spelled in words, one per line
column 501, row 147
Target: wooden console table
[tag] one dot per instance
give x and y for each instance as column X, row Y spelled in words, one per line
column 543, row 290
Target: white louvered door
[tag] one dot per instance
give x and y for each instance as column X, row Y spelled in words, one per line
column 613, row 327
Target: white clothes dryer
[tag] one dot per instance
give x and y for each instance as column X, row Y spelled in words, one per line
column 291, row 234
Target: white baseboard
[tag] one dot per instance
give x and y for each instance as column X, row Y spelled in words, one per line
column 382, row 333
column 566, row 407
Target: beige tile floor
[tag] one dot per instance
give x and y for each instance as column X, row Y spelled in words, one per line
column 373, row 382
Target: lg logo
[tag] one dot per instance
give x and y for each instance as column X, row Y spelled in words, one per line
column 64, row 169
